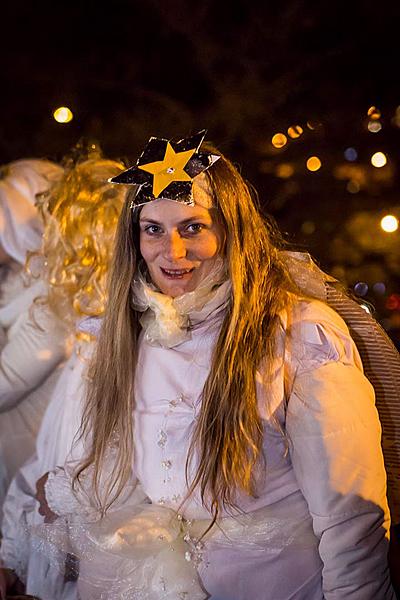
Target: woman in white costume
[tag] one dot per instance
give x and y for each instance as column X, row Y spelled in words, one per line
column 80, row 217
column 252, row 466
column 32, row 342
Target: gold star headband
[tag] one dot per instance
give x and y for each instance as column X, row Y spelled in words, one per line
column 166, row 169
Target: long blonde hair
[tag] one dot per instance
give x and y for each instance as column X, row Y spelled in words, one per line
column 227, row 440
column 80, row 214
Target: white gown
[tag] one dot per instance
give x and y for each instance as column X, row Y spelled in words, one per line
column 33, row 345
column 318, row 528
column 32, row 341
column 58, row 434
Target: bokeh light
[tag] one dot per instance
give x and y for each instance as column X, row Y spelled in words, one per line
column 389, row 223
column 284, row 170
column 361, row 288
column 374, row 126
column 313, row 163
column 308, row 227
column 379, row 288
column 353, row 186
column 295, row 131
column 374, row 113
column 279, row 140
column 351, row 154
column 396, row 118
column 63, row 114
column 393, row 302
column 378, row 160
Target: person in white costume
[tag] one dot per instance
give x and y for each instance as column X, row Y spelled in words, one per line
column 32, row 341
column 232, row 444
column 81, row 215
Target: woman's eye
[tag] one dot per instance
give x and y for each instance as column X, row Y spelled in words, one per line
column 152, row 229
column 195, row 227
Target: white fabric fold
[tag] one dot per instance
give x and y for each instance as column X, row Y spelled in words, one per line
column 168, row 321
column 21, row 227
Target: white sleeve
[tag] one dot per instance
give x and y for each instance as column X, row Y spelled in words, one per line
column 35, row 346
column 18, row 505
column 63, row 497
column 334, row 439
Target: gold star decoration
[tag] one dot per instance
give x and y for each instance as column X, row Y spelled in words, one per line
column 170, row 169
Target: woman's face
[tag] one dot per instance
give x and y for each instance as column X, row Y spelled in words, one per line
column 179, row 243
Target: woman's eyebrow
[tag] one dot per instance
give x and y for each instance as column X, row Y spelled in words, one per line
column 183, row 222
column 144, row 220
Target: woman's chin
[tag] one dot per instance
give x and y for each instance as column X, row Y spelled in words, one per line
column 175, row 290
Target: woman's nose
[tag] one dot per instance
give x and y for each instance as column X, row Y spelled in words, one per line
column 175, row 246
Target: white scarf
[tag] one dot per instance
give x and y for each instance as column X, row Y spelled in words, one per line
column 168, row 321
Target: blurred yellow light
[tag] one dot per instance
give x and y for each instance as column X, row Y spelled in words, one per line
column 378, row 160
column 295, row 131
column 308, row 227
column 389, row 223
column 279, row 140
column 63, row 114
column 374, row 113
column 353, row 186
column 374, row 126
column 313, row 163
column 284, row 171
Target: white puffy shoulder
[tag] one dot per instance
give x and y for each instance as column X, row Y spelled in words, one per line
column 317, row 335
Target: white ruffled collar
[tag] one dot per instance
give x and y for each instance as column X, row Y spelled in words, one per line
column 168, row 321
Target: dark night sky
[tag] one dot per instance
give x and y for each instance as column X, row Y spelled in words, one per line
column 244, row 70
column 130, row 69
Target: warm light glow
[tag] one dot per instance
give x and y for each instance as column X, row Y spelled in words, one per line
column 313, row 125
column 295, row 131
column 396, row 118
column 284, row 171
column 313, row 163
column 353, row 186
column 374, row 126
column 63, row 114
column 389, row 223
column 308, row 227
column 378, row 159
column 279, row 140
column 374, row 113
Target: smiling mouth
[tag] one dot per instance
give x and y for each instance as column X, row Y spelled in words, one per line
column 176, row 273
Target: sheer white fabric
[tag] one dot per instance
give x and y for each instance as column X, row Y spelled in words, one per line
column 32, row 342
column 57, row 436
column 33, row 346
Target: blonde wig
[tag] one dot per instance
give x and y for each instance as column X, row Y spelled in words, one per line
column 227, row 441
column 80, row 215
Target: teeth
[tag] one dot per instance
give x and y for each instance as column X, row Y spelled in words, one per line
column 177, row 271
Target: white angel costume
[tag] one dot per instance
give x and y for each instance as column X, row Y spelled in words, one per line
column 57, row 436
column 318, row 528
column 32, row 341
